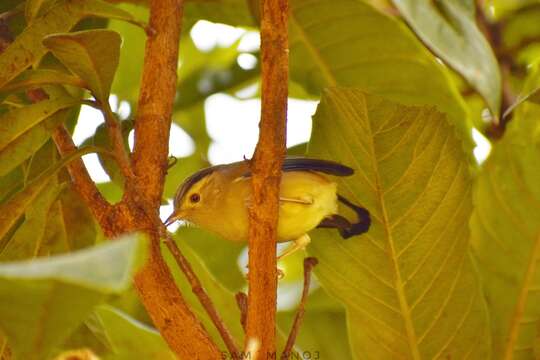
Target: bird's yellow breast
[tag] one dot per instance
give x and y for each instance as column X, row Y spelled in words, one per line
column 306, row 198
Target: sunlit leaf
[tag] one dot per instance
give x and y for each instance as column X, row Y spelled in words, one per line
column 349, row 43
column 43, row 300
column 128, row 76
column 28, row 239
column 506, row 235
column 31, row 9
column 130, row 339
column 16, row 122
column 16, row 205
column 408, row 284
column 450, row 30
column 92, row 55
column 40, row 77
column 27, row 49
column 30, row 141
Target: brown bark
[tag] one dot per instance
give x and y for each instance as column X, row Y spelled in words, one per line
column 266, row 168
column 178, row 325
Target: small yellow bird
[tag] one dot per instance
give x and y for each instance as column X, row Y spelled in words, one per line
column 217, row 199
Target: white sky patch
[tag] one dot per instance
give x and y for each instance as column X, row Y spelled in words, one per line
column 248, row 92
column 164, row 212
column 483, row 146
column 246, row 61
column 180, row 143
column 97, row 173
column 89, row 120
column 207, row 35
column 233, row 126
column 250, row 42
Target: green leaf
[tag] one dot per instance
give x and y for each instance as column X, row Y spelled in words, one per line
column 32, row 9
column 27, row 49
column 448, row 28
column 40, row 77
column 505, row 232
column 28, row 239
column 349, row 43
column 408, row 284
column 80, row 226
column 29, row 142
column 15, row 206
column 92, row 55
column 130, row 339
column 16, row 122
column 43, row 300
column 128, row 76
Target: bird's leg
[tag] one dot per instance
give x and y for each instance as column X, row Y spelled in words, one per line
column 298, row 244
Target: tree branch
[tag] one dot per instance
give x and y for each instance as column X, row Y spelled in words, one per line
column 117, row 142
column 266, row 169
column 158, row 89
column 201, row 294
column 165, row 304
column 82, row 182
column 309, row 264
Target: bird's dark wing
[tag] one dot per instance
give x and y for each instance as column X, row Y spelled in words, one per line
column 318, row 165
column 293, row 163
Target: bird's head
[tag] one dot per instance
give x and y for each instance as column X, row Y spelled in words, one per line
column 195, row 198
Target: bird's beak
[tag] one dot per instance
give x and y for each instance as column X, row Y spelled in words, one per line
column 173, row 217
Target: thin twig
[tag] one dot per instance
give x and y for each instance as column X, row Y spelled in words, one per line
column 242, row 302
column 309, row 264
column 199, row 291
column 117, row 141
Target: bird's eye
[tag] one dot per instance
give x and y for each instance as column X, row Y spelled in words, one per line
column 194, row 198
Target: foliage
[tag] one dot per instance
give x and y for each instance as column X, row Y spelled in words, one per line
column 450, row 266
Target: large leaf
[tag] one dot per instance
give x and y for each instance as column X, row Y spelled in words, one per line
column 450, row 30
column 16, row 122
column 28, row 239
column 92, row 55
column 130, row 339
column 39, row 77
column 27, row 49
column 506, row 235
column 29, row 142
column 43, row 300
column 408, row 284
column 12, row 209
column 349, row 43
column 128, row 76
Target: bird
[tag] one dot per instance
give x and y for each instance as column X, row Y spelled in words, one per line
column 217, row 199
